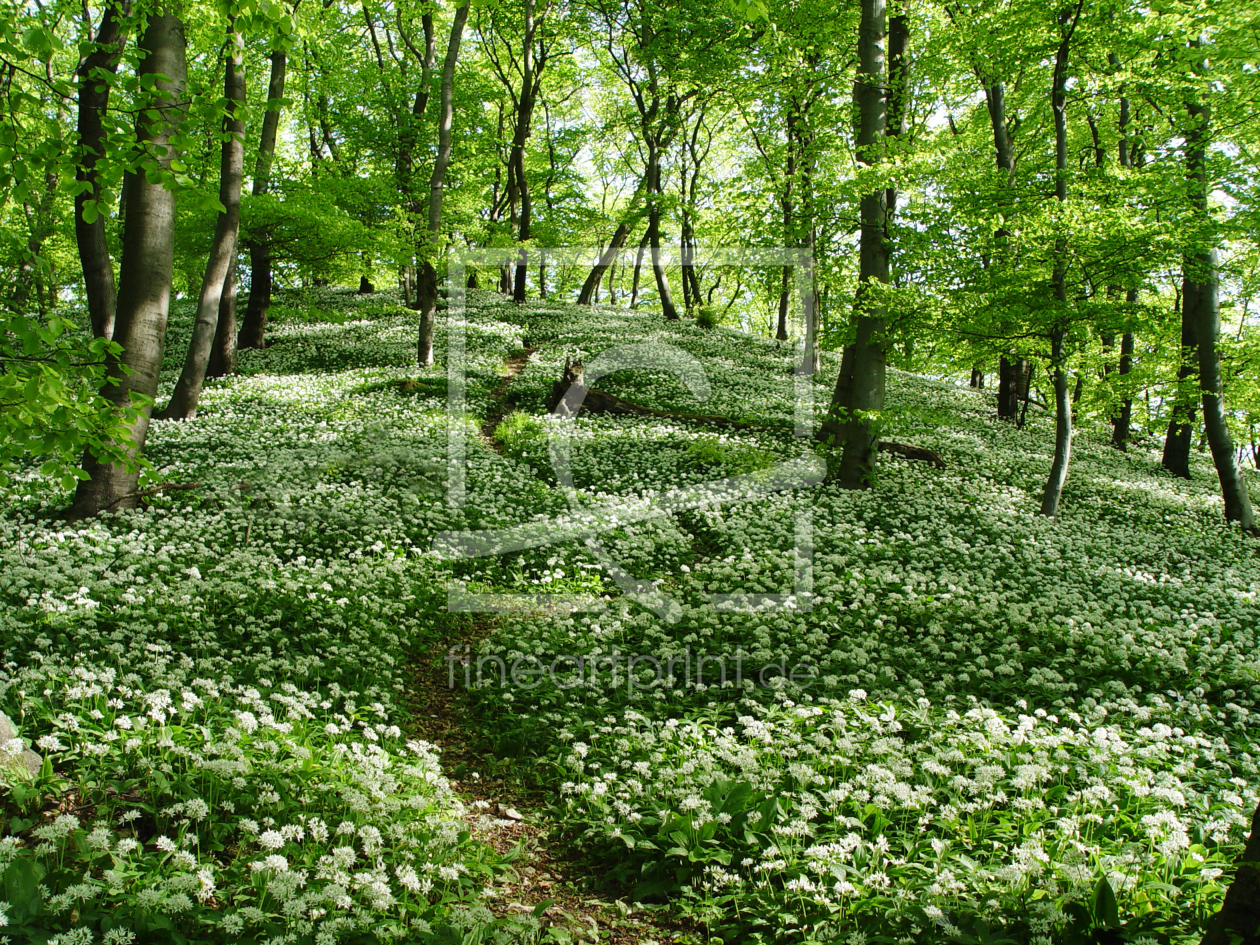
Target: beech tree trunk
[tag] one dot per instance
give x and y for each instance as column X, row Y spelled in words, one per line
column 253, row 326
column 609, row 255
column 811, row 358
column 859, row 427
column 654, row 233
column 1203, row 307
column 589, row 288
column 787, row 204
column 94, row 89
column 898, row 91
column 1053, row 491
column 1238, row 922
column 1004, row 153
column 638, row 271
column 409, row 120
column 427, row 278
column 516, row 169
column 144, row 283
column 1215, row 419
column 1178, row 439
column 223, row 351
column 187, row 394
column 1120, row 424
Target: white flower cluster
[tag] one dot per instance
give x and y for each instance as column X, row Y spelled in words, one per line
column 217, row 674
column 1003, row 712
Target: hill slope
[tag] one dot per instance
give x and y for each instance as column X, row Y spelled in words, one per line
column 999, row 725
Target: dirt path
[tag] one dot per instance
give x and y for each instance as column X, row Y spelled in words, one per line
column 512, row 367
column 507, row 809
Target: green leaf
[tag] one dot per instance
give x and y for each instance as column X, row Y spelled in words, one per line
column 1106, row 909
column 21, row 883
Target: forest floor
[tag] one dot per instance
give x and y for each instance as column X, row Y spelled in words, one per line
column 507, row 808
column 755, row 708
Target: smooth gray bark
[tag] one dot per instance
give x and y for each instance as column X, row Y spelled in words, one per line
column 1180, row 435
column 1238, row 922
column 144, row 281
column 638, row 271
column 1053, row 491
column 1009, row 370
column 427, row 278
column 223, row 351
column 860, row 427
column 254, row 324
column 187, row 394
column 94, row 89
column 609, row 256
column 531, row 74
column 655, row 192
column 1202, row 273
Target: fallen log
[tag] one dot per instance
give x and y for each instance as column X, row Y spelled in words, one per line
column 920, row 453
column 570, row 397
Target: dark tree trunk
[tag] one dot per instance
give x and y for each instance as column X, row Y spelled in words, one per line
column 405, row 163
column 1215, row 418
column 1008, row 398
column 94, row 89
column 654, row 233
column 606, row 259
column 687, row 243
column 253, row 327
column 1024, row 374
column 1014, row 378
column 1203, row 307
column 184, row 400
column 1053, row 491
column 223, row 352
column 1004, row 154
column 811, row 360
column 995, row 101
column 785, row 301
column 860, row 427
column 898, row 92
column 427, row 280
column 638, row 271
column 409, row 130
column 524, row 116
column 694, row 296
column 789, row 224
column 1062, row 430
column 144, row 274
column 1238, row 922
column 1120, row 424
column 1180, row 435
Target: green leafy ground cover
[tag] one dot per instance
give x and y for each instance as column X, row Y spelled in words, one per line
column 1012, row 729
